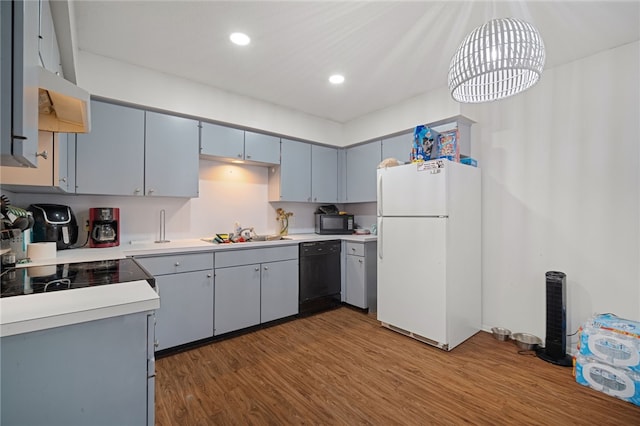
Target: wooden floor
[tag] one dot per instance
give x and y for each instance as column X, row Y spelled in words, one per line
column 341, row 368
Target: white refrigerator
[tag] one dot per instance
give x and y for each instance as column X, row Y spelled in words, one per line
column 429, row 262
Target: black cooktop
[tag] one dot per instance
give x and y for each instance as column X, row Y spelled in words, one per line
column 69, row 276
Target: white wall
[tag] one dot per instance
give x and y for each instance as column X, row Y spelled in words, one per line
column 427, row 108
column 228, row 193
column 113, row 79
column 560, row 189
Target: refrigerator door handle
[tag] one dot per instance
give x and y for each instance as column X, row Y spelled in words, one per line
column 380, row 245
column 380, row 194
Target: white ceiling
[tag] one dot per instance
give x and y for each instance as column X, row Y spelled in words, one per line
column 388, row 51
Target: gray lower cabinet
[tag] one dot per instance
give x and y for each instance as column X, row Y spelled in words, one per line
column 278, row 290
column 361, row 275
column 186, row 288
column 255, row 286
column 237, row 298
column 361, row 165
column 93, row 373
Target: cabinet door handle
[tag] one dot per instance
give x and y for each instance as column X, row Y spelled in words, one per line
column 353, row 248
column 151, row 191
column 136, row 191
column 256, row 269
column 177, row 263
column 239, row 155
column 266, row 268
column 248, row 156
column 360, row 260
column 43, row 154
column 63, row 180
column 209, row 275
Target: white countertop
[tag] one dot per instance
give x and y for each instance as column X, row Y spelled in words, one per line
column 194, row 245
column 33, row 312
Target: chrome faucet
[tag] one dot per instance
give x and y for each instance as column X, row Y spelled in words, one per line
column 162, row 228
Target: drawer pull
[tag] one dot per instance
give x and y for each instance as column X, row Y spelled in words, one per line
column 177, row 263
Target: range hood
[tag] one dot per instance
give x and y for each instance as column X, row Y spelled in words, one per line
column 62, row 106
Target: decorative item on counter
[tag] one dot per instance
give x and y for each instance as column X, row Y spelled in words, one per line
column 448, row 146
column 283, row 218
column 423, row 144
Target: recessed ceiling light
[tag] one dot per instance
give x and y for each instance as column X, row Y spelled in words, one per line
column 336, row 79
column 241, row 39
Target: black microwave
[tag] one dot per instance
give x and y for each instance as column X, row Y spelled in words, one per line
column 334, row 224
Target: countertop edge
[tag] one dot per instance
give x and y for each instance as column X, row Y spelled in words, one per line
column 35, row 312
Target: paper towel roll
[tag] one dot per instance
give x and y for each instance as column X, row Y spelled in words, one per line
column 37, row 251
column 42, row 271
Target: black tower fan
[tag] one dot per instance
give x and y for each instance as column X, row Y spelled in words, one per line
column 555, row 345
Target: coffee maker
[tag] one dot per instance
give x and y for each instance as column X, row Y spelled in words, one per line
column 104, row 225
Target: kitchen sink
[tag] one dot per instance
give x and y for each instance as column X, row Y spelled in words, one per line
column 268, row 238
column 255, row 239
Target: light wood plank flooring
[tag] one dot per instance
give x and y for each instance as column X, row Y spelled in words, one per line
column 341, row 368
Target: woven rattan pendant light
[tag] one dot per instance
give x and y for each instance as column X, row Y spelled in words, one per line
column 496, row 60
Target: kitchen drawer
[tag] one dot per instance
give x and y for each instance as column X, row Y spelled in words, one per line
column 250, row 256
column 175, row 263
column 356, row 249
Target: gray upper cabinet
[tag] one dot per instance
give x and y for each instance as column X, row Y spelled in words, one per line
column 221, row 141
column 171, row 156
column 48, row 43
column 55, row 171
column 261, row 148
column 236, row 144
column 307, row 173
column 19, row 83
column 292, row 180
column 324, row 174
column 110, row 159
column 361, row 165
column 120, row 157
column 398, row 147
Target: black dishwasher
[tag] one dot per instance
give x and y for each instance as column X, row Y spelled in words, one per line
column 319, row 275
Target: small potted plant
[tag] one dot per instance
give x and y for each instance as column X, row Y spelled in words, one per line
column 283, row 218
